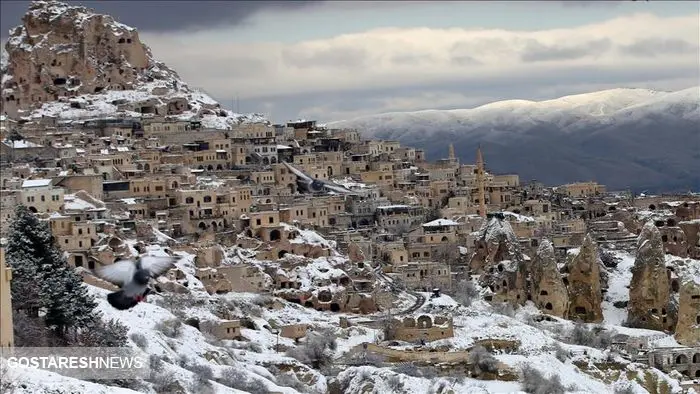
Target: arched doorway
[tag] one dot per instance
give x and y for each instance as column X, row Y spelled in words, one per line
column 281, row 254
column 275, row 235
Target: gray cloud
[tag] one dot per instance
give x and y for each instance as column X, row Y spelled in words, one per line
column 411, row 59
column 538, row 52
column 340, row 56
column 653, row 47
column 149, row 15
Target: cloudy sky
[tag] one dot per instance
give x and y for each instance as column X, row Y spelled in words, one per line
column 332, row 60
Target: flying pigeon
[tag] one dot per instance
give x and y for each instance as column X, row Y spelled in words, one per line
column 306, row 184
column 132, row 276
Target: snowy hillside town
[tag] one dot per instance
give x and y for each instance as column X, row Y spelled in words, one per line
column 313, row 258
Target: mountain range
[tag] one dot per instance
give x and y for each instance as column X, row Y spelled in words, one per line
column 638, row 139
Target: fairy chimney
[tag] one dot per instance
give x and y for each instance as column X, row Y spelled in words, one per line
column 583, row 284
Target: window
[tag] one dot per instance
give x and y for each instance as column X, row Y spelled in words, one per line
column 43, row 198
column 258, row 222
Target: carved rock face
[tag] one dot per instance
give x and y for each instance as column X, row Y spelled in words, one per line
column 585, row 295
column 62, row 51
column 548, row 290
column 649, row 288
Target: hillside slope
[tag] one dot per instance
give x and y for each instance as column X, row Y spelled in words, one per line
column 625, row 138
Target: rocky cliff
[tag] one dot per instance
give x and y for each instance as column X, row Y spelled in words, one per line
column 71, row 62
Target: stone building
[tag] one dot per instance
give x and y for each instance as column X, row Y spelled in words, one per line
column 582, row 279
column 649, row 289
column 422, row 328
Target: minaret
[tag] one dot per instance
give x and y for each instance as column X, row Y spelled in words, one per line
column 452, row 153
column 480, row 182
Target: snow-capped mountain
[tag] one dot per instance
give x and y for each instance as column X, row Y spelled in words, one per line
column 637, row 138
column 70, row 62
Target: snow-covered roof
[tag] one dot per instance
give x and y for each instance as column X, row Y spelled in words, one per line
column 21, row 144
column 31, row 183
column 441, row 222
column 77, row 204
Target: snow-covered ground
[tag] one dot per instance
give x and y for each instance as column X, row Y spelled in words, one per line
column 256, row 353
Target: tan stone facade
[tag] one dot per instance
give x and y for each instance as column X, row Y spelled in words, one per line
column 6, row 330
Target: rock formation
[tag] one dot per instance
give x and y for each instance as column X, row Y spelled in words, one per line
column 501, row 260
column 692, row 235
column 687, row 328
column 649, row 288
column 64, row 51
column 65, row 57
column 548, row 289
column 583, row 284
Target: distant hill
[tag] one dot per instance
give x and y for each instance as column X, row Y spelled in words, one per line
column 624, row 138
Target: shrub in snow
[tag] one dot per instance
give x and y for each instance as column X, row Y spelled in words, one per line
column 139, row 339
column 560, row 353
column 162, row 380
column 318, row 350
column 395, row 383
column 202, row 372
column 596, row 337
column 263, row 300
column 534, row 382
column 155, row 362
column 43, row 280
column 248, row 346
column 237, row 379
column 465, row 292
column 505, row 309
column 171, row 328
column 624, row 389
column 30, row 331
column 483, row 360
column 103, row 334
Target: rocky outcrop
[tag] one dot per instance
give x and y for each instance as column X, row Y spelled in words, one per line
column 687, row 330
column 649, row 288
column 500, row 259
column 691, row 229
column 65, row 51
column 69, row 62
column 548, row 290
column 583, row 284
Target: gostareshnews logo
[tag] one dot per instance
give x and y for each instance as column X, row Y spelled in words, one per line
column 99, row 363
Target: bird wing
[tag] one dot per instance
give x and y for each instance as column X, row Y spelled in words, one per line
column 118, row 273
column 337, row 188
column 304, row 177
column 157, row 265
